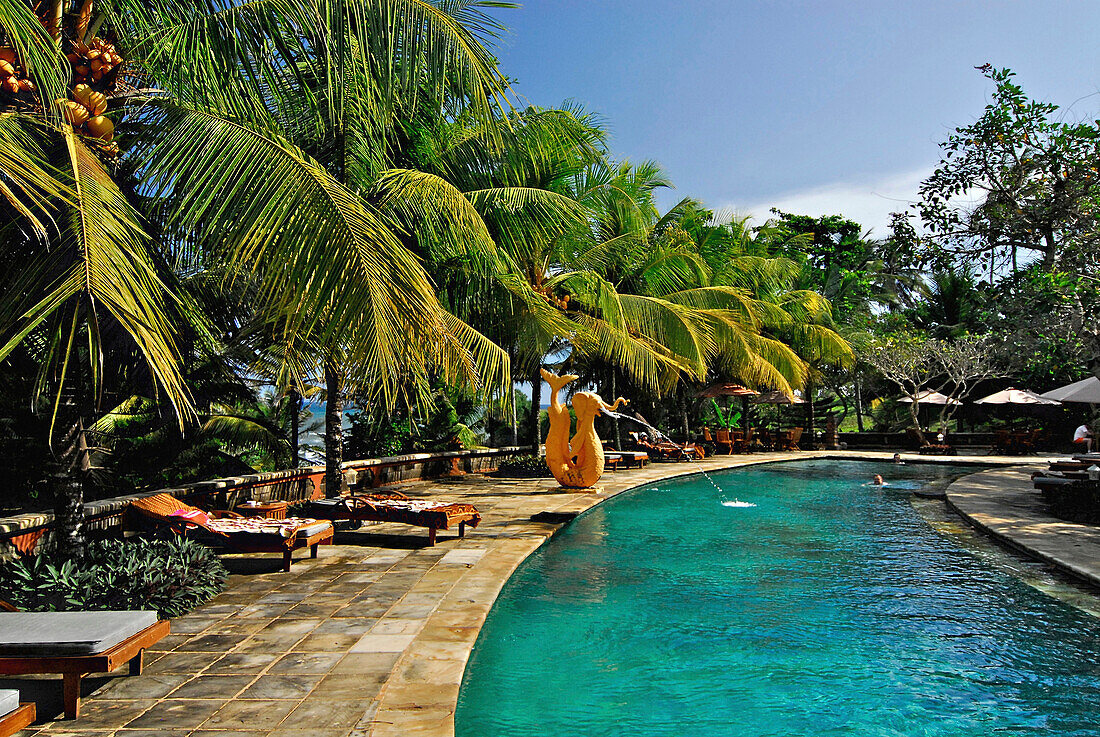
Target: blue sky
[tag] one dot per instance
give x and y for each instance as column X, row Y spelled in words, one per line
column 818, row 107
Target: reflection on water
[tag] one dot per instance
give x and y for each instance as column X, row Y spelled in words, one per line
column 831, row 608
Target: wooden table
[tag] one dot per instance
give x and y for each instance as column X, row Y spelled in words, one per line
column 271, row 510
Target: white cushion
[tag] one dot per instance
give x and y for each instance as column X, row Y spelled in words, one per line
column 9, row 700
column 45, row 634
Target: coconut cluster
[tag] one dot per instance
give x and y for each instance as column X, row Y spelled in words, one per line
column 13, row 78
column 95, row 64
column 94, row 75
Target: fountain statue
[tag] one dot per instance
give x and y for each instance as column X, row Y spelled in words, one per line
column 576, row 463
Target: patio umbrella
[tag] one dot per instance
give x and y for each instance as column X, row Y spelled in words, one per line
column 778, row 397
column 929, row 396
column 725, row 389
column 1086, row 390
column 1012, row 395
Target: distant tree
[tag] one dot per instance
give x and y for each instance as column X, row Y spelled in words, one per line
column 916, row 365
column 1017, row 179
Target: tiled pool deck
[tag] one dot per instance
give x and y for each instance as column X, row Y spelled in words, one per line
column 371, row 639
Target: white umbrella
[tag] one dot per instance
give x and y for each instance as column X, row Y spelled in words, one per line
column 1012, row 395
column 929, row 396
column 1086, row 390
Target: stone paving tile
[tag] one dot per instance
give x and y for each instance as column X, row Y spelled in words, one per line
column 252, row 715
column 282, row 687
column 326, row 642
column 324, row 712
column 306, row 663
column 212, row 687
column 149, row 686
column 243, row 663
column 181, row 663
column 210, row 643
column 176, row 714
column 371, row 643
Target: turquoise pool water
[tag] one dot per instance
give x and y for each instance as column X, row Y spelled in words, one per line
column 830, row 608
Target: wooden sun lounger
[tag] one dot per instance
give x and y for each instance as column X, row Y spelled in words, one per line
column 75, row 665
column 392, row 506
column 163, row 511
column 16, row 720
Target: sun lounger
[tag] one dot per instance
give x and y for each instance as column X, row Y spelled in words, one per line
column 393, row 506
column 233, row 531
column 75, row 644
column 634, row 458
column 13, row 715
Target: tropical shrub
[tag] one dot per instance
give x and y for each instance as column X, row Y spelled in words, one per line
column 171, row 576
column 524, row 467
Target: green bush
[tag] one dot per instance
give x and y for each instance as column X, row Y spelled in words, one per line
column 171, row 576
column 524, row 467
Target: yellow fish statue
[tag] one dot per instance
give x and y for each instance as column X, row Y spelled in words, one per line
column 576, row 463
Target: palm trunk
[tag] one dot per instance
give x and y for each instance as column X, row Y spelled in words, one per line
column 684, row 416
column 859, row 407
column 295, row 423
column 616, row 427
column 515, row 427
column 334, row 431
column 811, row 417
column 67, row 485
column 534, row 432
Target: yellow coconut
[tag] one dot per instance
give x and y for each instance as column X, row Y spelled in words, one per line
column 6, row 69
column 7, row 54
column 96, row 102
column 101, row 127
column 80, row 94
column 26, row 85
column 75, row 113
column 11, row 84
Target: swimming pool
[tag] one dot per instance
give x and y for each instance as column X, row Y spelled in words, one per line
column 829, row 608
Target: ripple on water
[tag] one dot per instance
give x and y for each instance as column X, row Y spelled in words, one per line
column 829, row 609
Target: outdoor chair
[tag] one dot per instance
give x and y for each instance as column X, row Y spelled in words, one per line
column 392, row 506
column 724, row 442
column 742, row 442
column 1002, row 443
column 75, row 644
column 231, row 531
column 13, row 715
column 788, row 439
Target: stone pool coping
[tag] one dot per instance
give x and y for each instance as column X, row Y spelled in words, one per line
column 1004, row 504
column 372, row 638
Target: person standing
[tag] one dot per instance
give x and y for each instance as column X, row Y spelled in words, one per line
column 1083, row 435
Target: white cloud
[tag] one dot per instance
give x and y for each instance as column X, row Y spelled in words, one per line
column 869, row 204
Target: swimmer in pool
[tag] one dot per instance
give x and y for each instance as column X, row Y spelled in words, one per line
column 877, row 480
column 897, row 460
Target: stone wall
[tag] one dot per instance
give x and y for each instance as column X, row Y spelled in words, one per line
column 25, row 532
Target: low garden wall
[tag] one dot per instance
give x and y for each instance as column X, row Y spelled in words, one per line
column 25, row 532
column 900, row 441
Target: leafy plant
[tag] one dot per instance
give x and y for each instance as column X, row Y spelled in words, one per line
column 171, row 576
column 524, row 467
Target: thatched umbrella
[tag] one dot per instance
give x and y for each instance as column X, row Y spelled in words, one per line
column 727, row 389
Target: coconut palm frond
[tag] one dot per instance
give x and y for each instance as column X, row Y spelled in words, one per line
column 30, row 185
column 37, row 52
column 326, row 263
column 102, row 268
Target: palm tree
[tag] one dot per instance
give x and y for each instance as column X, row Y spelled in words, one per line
column 275, row 136
column 87, row 286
